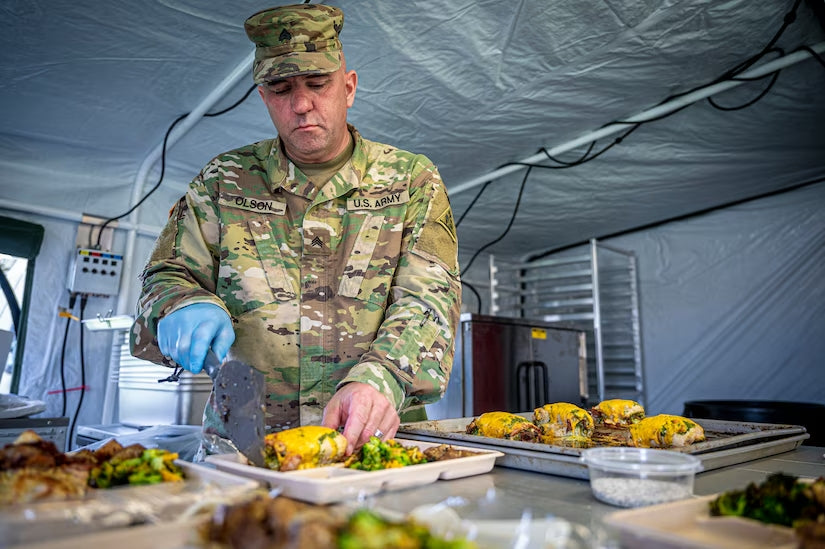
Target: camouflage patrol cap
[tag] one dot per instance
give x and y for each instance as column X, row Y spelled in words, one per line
column 294, row 40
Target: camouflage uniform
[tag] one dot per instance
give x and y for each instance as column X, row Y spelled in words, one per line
column 354, row 281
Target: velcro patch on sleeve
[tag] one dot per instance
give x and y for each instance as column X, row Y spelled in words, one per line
column 166, row 243
column 438, row 234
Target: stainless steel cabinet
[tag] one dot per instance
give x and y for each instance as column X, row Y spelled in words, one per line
column 595, row 290
column 512, row 365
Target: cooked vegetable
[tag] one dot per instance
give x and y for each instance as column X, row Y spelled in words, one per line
column 781, row 499
column 377, row 454
column 152, row 466
column 367, row 530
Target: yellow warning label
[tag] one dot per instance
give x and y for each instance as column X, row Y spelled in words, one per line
column 538, row 333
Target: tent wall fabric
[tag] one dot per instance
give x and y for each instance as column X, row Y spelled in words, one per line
column 732, row 302
column 475, row 85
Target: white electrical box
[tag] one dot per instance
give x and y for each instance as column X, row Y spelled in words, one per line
column 95, row 272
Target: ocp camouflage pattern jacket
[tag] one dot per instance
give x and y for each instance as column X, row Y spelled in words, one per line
column 355, row 281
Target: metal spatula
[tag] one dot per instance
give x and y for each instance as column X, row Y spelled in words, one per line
column 239, row 392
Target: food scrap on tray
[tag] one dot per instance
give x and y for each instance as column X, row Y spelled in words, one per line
column 614, row 422
column 33, row 469
column 284, row 522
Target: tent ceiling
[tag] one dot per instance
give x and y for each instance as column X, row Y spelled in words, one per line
column 89, row 88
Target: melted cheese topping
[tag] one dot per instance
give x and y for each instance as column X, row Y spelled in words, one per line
column 618, row 411
column 500, row 425
column 313, row 445
column 665, row 431
column 562, row 419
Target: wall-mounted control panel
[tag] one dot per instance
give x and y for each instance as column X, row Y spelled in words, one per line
column 95, row 272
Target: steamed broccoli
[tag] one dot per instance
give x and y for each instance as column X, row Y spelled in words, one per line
column 377, row 454
column 781, row 499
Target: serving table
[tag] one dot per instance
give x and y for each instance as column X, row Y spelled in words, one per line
column 506, row 493
column 500, row 501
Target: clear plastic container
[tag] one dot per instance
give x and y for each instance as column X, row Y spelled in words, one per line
column 635, row 477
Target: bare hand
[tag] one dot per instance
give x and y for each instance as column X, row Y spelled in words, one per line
column 364, row 412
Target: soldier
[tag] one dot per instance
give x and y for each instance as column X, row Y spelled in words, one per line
column 325, row 260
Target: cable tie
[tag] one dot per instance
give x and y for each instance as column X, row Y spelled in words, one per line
column 63, row 313
column 58, row 391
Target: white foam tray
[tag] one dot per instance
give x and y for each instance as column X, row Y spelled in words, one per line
column 121, row 506
column 687, row 524
column 333, row 484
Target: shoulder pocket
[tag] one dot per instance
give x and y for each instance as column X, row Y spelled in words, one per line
column 415, row 342
column 372, row 260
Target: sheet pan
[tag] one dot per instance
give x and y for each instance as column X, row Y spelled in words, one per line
column 728, row 443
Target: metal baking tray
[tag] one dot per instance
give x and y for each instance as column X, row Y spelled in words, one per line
column 728, row 443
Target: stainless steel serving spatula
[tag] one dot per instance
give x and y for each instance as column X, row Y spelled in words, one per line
column 239, row 393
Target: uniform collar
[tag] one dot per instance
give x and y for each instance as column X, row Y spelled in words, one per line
column 284, row 173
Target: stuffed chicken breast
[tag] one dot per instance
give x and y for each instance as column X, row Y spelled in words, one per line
column 304, row 448
column 666, row 431
column 504, row 425
column 617, row 412
column 563, row 420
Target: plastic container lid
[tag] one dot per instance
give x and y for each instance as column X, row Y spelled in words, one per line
column 636, row 460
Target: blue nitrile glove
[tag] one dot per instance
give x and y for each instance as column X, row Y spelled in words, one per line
column 186, row 334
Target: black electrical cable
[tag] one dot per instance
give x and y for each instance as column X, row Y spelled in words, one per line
column 472, row 203
column 813, row 54
column 510, row 224
column 582, row 159
column 72, row 299
column 163, row 164
column 789, row 18
column 817, row 181
column 747, row 104
column 731, row 74
column 83, row 299
column 478, row 296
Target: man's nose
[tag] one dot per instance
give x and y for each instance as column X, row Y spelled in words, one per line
column 301, row 101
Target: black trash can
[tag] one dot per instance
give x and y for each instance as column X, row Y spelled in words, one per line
column 808, row 414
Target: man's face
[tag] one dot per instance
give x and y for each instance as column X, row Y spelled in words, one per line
column 310, row 113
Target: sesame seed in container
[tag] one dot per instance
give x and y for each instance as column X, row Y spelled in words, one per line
column 635, row 477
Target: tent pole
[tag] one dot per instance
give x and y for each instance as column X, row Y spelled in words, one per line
column 657, row 111
column 69, row 215
column 242, row 70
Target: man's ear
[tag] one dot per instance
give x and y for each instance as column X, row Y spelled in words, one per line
column 351, row 82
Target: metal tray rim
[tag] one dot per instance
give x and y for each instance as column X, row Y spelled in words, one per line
column 742, row 433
